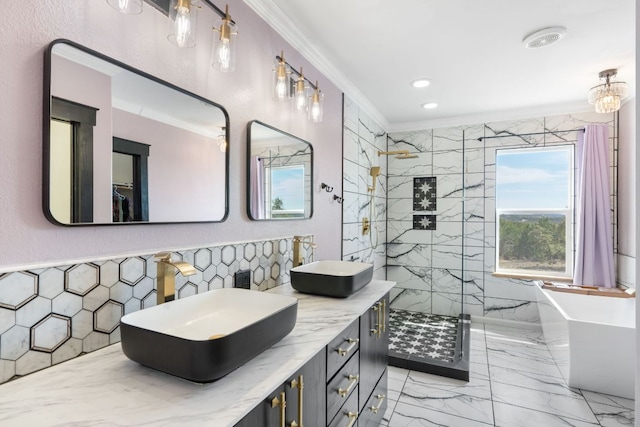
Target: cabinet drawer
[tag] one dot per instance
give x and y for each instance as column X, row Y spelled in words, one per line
column 373, row 412
column 348, row 414
column 342, row 386
column 341, row 348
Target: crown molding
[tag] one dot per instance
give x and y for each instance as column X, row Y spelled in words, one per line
column 280, row 22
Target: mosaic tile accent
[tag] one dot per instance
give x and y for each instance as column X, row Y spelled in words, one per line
column 51, row 315
column 424, row 194
column 425, row 336
column 424, row 222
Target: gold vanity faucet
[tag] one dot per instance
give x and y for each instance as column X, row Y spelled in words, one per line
column 298, row 242
column 167, row 276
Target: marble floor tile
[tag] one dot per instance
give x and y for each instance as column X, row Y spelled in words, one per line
column 532, row 380
column 524, row 362
column 510, row 416
column 449, row 402
column 407, row 415
column 574, row 407
column 611, row 411
column 474, row 387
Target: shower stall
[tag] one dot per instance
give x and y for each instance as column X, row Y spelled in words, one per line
column 425, row 251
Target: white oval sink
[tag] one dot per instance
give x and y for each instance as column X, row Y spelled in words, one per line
column 331, row 278
column 206, row 336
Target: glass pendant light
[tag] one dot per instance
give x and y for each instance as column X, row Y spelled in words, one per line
column 281, row 86
column 128, row 7
column 606, row 97
column 300, row 95
column 316, row 105
column 224, row 45
column 182, row 21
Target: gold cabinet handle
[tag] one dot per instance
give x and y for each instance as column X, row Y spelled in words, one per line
column 353, row 416
column 376, row 408
column 380, row 318
column 384, row 315
column 353, row 379
column 299, row 384
column 352, row 343
column 282, row 404
column 376, row 309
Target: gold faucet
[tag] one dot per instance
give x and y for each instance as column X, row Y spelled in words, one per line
column 298, row 242
column 167, row 277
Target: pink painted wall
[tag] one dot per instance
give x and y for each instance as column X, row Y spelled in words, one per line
column 180, row 175
column 27, row 238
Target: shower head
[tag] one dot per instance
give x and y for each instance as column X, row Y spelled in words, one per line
column 375, row 171
column 399, row 154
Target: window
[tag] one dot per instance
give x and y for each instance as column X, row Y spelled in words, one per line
column 534, row 211
column 286, row 191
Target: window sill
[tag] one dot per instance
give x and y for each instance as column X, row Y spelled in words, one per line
column 532, row 277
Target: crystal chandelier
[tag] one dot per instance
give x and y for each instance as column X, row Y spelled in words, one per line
column 606, row 97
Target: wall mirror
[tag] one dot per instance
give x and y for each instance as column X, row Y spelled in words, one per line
column 280, row 180
column 123, row 147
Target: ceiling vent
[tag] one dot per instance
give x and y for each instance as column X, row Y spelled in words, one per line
column 544, row 37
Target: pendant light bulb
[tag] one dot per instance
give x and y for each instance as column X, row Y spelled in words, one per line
column 300, row 99
column 127, row 7
column 182, row 15
column 281, row 84
column 316, row 105
column 224, row 45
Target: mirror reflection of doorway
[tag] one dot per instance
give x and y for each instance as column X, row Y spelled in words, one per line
column 130, row 181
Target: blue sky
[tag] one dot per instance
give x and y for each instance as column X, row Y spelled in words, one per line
column 287, row 183
column 532, row 178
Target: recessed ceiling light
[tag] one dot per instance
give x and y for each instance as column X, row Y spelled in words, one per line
column 420, row 83
column 429, row 105
column 544, row 37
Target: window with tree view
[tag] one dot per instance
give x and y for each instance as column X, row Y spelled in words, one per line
column 534, row 211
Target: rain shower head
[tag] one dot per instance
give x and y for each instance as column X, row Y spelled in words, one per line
column 400, row 154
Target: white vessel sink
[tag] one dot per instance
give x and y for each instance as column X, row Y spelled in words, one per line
column 206, row 336
column 331, row 278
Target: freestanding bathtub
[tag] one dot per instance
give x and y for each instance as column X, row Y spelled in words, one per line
column 592, row 339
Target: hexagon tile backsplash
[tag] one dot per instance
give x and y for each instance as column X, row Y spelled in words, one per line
column 51, row 315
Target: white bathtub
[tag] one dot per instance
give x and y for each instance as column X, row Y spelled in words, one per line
column 592, row 339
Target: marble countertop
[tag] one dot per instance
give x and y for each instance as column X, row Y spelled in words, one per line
column 105, row 388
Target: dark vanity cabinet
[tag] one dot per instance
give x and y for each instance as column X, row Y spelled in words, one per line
column 302, row 397
column 374, row 355
column 344, row 385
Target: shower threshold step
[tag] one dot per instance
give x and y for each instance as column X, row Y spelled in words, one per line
column 430, row 343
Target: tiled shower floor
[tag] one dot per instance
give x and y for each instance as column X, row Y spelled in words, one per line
column 423, row 336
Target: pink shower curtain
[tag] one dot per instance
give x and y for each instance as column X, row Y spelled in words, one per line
column 594, row 242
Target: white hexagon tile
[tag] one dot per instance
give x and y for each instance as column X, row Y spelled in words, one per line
column 51, row 315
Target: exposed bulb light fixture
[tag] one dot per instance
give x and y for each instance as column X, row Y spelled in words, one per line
column 182, row 20
column 222, row 140
column 127, row 7
column 606, row 97
column 316, row 105
column 281, row 86
column 420, row 83
column 429, row 105
column 300, row 95
column 224, row 46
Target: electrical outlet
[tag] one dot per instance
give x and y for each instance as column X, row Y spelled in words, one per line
column 243, row 279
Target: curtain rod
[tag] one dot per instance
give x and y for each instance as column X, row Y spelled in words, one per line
column 529, row 134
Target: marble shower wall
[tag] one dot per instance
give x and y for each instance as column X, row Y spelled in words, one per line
column 449, row 270
column 362, row 139
column 50, row 315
